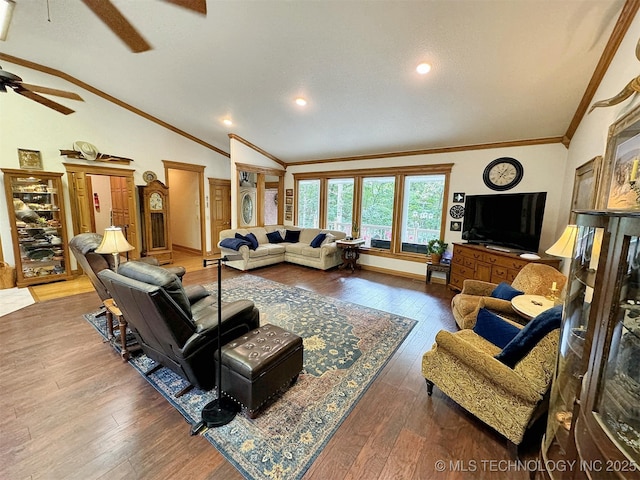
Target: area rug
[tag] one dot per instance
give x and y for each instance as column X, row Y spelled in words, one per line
column 345, row 348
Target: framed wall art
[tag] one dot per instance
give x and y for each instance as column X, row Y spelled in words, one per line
column 289, row 200
column 585, row 187
column 29, row 159
column 621, row 175
column 289, row 192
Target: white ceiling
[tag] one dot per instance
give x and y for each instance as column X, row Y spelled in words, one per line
column 503, row 70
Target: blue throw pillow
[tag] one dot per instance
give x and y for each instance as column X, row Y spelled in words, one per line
column 233, row 243
column 494, row 329
column 317, row 241
column 530, row 335
column 275, row 237
column 292, row 236
column 505, row 291
column 250, row 238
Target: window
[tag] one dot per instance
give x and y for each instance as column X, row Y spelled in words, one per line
column 340, row 204
column 376, row 226
column 422, row 211
column 395, row 210
column 309, row 203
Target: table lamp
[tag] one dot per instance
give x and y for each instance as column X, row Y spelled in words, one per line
column 564, row 245
column 115, row 243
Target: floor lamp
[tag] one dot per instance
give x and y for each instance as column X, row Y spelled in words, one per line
column 222, row 410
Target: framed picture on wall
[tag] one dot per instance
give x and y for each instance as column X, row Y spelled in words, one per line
column 29, row 159
column 289, row 200
column 289, row 192
column 585, row 186
column 621, row 175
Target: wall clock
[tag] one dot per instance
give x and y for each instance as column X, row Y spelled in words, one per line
column 503, row 174
column 456, row 211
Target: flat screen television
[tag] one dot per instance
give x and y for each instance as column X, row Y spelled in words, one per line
column 511, row 221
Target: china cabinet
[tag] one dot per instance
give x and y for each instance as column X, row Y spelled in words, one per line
column 38, row 228
column 156, row 234
column 593, row 424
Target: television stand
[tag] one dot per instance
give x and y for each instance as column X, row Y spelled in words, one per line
column 489, row 264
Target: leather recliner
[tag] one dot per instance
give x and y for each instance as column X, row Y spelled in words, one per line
column 176, row 331
column 83, row 248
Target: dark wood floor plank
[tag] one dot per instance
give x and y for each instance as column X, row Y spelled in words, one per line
column 72, row 409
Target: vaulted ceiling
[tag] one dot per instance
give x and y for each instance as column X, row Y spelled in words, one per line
column 502, row 70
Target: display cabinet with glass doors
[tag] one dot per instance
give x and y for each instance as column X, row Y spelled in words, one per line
column 593, row 424
column 38, row 228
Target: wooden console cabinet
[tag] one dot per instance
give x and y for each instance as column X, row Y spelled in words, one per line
column 481, row 263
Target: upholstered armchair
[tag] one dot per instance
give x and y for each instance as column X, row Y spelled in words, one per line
column 463, row 365
column 83, row 248
column 173, row 329
column 533, row 279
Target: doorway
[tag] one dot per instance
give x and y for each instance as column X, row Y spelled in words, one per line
column 186, row 206
column 114, row 202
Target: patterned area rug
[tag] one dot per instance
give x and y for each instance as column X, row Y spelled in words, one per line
column 345, row 348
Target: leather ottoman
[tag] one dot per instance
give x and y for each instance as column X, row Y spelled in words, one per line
column 259, row 365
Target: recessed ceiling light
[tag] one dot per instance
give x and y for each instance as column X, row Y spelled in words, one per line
column 227, row 122
column 301, row 101
column 423, row 68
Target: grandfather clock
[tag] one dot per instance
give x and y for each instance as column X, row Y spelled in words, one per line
column 156, row 238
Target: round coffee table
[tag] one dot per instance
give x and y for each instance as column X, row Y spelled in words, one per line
column 530, row 306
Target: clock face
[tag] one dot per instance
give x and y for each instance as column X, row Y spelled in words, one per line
column 503, row 173
column 155, row 201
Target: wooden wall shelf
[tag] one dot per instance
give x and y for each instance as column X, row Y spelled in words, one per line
column 102, row 157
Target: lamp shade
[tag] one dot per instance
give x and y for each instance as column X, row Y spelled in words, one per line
column 6, row 12
column 113, row 241
column 564, row 245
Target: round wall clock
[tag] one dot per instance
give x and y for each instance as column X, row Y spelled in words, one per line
column 456, row 211
column 503, row 173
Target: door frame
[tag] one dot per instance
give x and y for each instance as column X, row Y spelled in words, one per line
column 199, row 169
column 81, row 200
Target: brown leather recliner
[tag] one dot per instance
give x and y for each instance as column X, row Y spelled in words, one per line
column 173, row 329
column 83, row 248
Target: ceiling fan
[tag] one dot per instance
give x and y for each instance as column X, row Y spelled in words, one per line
column 111, row 16
column 9, row 80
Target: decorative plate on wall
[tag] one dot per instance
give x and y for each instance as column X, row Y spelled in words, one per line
column 456, row 211
column 149, row 176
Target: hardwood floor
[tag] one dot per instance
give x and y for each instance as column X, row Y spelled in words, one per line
column 73, row 410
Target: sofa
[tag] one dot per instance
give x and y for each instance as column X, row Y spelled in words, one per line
column 300, row 252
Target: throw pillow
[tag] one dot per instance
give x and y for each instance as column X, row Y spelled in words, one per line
column 250, row 238
column 233, row 243
column 317, row 241
column 494, row 329
column 530, row 335
column 275, row 237
column 292, row 236
column 330, row 238
column 505, row 291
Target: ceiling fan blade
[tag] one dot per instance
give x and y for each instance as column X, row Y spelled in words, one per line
column 111, row 16
column 44, row 101
column 51, row 91
column 198, row 6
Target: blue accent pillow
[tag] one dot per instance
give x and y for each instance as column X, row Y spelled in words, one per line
column 317, row 241
column 275, row 237
column 292, row 236
column 530, row 335
column 494, row 329
column 233, row 243
column 505, row 291
column 250, row 238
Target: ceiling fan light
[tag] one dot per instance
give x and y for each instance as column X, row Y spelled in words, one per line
column 6, row 13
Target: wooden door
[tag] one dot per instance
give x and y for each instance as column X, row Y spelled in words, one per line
column 119, row 200
column 220, row 191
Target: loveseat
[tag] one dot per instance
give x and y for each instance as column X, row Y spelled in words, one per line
column 299, row 251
